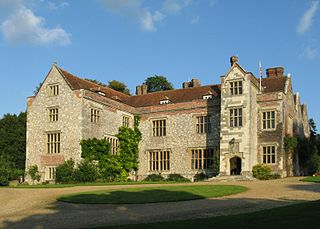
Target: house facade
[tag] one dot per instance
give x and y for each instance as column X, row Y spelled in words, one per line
column 237, row 124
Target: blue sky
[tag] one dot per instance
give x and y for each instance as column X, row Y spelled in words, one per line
column 130, row 40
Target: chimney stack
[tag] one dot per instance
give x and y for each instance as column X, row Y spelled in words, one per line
column 192, row 83
column 142, row 89
column 274, row 72
column 233, row 59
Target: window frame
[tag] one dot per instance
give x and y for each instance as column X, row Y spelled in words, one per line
column 51, row 173
column 126, row 121
column 114, row 144
column 159, row 160
column 202, row 161
column 236, row 119
column 53, row 142
column 159, row 127
column 203, row 124
column 95, row 115
column 267, row 158
column 53, row 116
column 235, row 88
column 53, row 89
column 265, row 121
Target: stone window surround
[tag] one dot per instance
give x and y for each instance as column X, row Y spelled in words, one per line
column 209, row 129
column 242, row 115
column 53, row 117
column 269, row 109
column 126, row 121
column 203, row 159
column 276, row 146
column 152, row 128
column 46, row 135
column 53, row 89
column 114, row 143
column 160, row 163
column 95, row 118
column 50, row 173
column 233, row 88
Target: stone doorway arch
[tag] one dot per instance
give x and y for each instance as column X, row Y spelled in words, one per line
column 235, row 166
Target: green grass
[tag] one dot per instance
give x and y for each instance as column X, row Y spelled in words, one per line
column 303, row 215
column 152, row 194
column 312, row 179
column 92, row 184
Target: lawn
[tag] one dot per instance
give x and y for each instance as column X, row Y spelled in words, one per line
column 303, row 215
column 312, row 179
column 153, row 194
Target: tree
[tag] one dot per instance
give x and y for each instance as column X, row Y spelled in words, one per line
column 119, row 86
column 96, row 82
column 313, row 130
column 6, row 170
column 13, row 138
column 158, row 83
column 36, row 90
column 34, row 173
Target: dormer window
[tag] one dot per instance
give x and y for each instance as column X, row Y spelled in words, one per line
column 207, row 97
column 165, row 100
column 236, row 88
column 102, row 93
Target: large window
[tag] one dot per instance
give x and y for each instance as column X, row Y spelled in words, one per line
column 53, row 143
column 159, row 160
column 268, row 120
column 269, row 154
column 95, row 116
column 159, row 128
column 114, row 144
column 236, row 117
column 203, row 124
column 125, row 121
column 53, row 90
column 53, row 114
column 236, row 88
column 202, row 158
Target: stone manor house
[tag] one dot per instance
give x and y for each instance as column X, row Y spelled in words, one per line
column 243, row 120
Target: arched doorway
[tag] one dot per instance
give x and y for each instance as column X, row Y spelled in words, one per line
column 235, row 166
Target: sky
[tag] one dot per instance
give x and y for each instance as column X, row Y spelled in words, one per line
column 130, row 40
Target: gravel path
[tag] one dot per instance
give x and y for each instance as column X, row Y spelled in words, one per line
column 38, row 208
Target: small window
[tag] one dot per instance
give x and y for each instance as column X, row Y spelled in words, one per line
column 269, row 154
column 166, row 101
column 159, row 128
column 203, row 124
column 53, row 114
column 236, row 88
column 268, row 120
column 53, row 90
column 95, row 116
column 125, row 121
column 207, row 97
column 114, row 144
column 236, row 117
column 51, row 173
column 53, row 143
column 159, row 160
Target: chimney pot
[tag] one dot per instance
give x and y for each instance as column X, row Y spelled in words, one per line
column 233, row 59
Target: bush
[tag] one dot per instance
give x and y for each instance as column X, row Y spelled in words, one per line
column 87, row 171
column 111, row 169
column 34, row 173
column 177, row 177
column 200, row 177
column 154, row 177
column 263, row 172
column 65, row 172
column 6, row 171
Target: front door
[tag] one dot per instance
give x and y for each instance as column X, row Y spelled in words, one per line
column 235, row 166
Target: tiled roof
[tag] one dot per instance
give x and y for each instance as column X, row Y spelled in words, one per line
column 78, row 83
column 274, row 84
column 175, row 96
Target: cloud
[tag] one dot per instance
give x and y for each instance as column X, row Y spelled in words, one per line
column 307, row 18
column 195, row 20
column 55, row 6
column 25, row 27
column 310, row 52
column 148, row 19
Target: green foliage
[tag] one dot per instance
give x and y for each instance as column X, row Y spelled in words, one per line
column 111, row 169
column 13, row 139
column 290, row 143
column 87, row 171
column 94, row 149
column 158, row 83
column 314, row 164
column 313, row 129
column 96, row 82
column 6, row 171
column 36, row 90
column 200, row 176
column 65, row 172
column 154, row 177
column 263, row 172
column 119, row 86
column 34, row 173
column 177, row 177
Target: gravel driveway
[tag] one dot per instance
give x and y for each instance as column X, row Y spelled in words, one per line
column 38, row 208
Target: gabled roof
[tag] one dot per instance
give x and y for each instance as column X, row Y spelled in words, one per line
column 274, row 84
column 175, row 96
column 77, row 83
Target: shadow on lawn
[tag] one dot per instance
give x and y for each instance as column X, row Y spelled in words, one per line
column 311, row 187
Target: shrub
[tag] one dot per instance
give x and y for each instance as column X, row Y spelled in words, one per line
column 177, row 177
column 263, row 172
column 154, row 177
column 65, row 172
column 200, row 177
column 87, row 171
column 111, row 169
column 6, row 170
column 34, row 173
